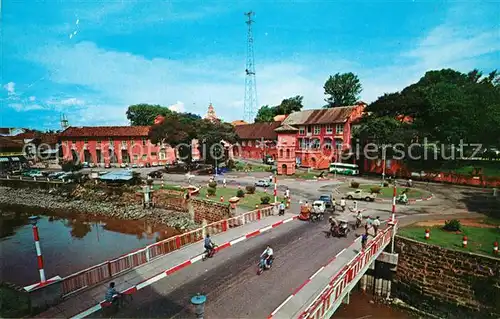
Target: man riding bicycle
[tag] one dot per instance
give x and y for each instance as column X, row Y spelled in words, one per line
column 268, row 255
column 359, row 219
column 209, row 245
column 112, row 295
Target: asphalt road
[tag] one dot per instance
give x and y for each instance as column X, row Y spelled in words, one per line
column 230, row 281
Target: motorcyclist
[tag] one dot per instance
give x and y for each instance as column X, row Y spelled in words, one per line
column 209, row 245
column 334, row 224
column 368, row 224
column 359, row 218
column 268, row 255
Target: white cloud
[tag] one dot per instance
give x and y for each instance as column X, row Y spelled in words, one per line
column 32, row 98
column 10, row 87
column 71, row 102
column 177, row 107
column 20, row 107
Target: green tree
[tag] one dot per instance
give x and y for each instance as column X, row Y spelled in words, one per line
column 211, row 136
column 343, row 89
column 290, row 105
column 266, row 114
column 144, row 114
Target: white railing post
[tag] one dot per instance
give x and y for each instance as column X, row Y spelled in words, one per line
column 148, row 257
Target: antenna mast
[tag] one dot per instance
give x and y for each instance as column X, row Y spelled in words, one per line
column 250, row 105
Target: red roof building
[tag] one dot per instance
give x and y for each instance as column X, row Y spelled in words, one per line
column 321, row 135
column 114, row 145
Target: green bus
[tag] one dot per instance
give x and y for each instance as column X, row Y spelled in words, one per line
column 344, row 168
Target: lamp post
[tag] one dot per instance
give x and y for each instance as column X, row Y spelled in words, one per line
column 383, row 167
column 33, row 220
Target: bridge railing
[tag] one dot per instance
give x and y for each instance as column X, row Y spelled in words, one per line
column 96, row 274
column 337, row 287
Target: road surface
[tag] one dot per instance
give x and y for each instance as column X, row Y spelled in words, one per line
column 230, row 281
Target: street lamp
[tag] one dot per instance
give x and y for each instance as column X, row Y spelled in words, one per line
column 33, row 221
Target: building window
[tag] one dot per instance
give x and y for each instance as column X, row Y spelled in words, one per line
column 250, row 143
column 65, row 143
column 338, row 145
column 309, row 129
column 339, row 128
column 86, row 141
column 317, row 129
column 110, row 141
column 136, row 157
column 327, row 144
column 124, row 143
column 302, row 130
column 98, row 141
column 329, row 129
column 243, row 143
column 143, row 141
column 73, row 142
column 144, row 157
column 153, row 153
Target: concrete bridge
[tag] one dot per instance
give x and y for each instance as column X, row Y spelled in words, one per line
column 311, row 276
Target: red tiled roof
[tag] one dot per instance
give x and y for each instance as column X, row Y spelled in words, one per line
column 9, row 143
column 4, row 130
column 256, row 131
column 320, row 116
column 106, row 131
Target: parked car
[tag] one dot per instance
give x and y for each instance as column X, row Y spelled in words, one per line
column 65, row 176
column 123, row 165
column 156, row 174
column 327, row 199
column 134, row 165
column 85, row 165
column 107, row 165
column 55, row 174
column 154, row 164
column 262, row 183
column 141, row 165
column 360, row 194
column 33, row 173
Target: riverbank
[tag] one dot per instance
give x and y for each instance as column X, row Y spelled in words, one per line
column 93, row 202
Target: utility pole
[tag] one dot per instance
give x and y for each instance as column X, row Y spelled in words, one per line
column 250, row 104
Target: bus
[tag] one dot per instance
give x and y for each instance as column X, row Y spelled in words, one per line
column 344, row 168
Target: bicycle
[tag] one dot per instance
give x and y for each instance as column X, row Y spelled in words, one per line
column 112, row 308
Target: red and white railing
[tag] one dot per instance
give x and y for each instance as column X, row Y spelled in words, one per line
column 334, row 292
column 96, row 274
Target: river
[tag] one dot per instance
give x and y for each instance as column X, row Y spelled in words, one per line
column 361, row 307
column 69, row 242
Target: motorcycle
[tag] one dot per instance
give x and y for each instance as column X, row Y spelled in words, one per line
column 401, row 200
column 358, row 223
column 209, row 253
column 263, row 266
column 314, row 217
column 340, row 231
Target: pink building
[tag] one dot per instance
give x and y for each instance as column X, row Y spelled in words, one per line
column 114, row 145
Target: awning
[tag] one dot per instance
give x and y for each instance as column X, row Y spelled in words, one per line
column 4, row 159
column 15, row 159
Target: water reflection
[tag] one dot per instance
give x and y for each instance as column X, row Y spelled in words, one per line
column 69, row 241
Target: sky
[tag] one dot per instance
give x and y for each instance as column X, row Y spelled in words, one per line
column 91, row 59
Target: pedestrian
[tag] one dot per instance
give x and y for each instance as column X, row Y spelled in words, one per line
column 368, row 225
column 364, row 241
column 376, row 225
column 342, row 203
column 282, row 208
column 287, row 193
column 270, row 178
column 224, row 182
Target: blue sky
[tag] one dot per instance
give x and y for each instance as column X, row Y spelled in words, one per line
column 184, row 54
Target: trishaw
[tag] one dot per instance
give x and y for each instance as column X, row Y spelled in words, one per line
column 305, row 212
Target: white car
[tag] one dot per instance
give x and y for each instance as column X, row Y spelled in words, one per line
column 360, row 194
column 262, row 183
column 123, row 165
column 141, row 165
column 134, row 165
column 154, row 164
column 319, row 206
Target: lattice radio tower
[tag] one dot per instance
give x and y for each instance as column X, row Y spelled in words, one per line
column 250, row 105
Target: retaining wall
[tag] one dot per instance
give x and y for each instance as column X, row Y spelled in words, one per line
column 448, row 283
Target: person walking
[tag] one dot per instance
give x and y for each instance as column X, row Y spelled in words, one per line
column 364, row 241
column 282, row 209
column 368, row 225
column 224, row 182
column 376, row 225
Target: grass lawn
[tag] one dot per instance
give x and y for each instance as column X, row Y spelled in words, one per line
column 386, row 192
column 251, row 167
column 487, row 170
column 312, row 174
column 249, row 201
column 479, row 240
column 14, row 304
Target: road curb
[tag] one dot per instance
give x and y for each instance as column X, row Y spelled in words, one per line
column 172, row 270
column 383, row 200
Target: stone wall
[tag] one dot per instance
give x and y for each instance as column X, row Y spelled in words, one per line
column 170, row 199
column 209, row 210
column 447, row 283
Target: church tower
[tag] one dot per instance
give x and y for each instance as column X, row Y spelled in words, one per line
column 211, row 114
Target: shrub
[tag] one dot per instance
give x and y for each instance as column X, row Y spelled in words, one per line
column 375, row 190
column 149, row 182
column 211, row 191
column 69, row 166
column 212, row 184
column 452, row 225
column 386, row 184
column 265, row 199
column 250, row 189
column 354, row 184
column 231, row 164
column 240, row 193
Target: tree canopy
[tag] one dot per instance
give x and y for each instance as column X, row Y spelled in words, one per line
column 144, row 114
column 444, row 107
column 179, row 129
column 343, row 89
column 267, row 113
